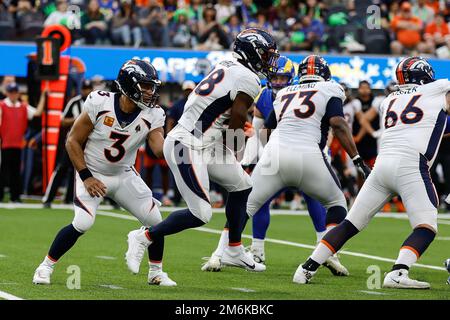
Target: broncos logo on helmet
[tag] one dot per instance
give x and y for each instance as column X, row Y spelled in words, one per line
column 414, row 70
column 257, row 50
column 138, row 80
column 313, row 68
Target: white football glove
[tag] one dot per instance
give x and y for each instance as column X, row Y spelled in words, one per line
column 447, row 199
column 377, row 134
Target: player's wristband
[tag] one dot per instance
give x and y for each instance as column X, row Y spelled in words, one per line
column 356, row 159
column 85, row 174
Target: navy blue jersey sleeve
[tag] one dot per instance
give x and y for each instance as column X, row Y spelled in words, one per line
column 177, row 110
column 271, row 121
column 447, row 127
column 335, row 108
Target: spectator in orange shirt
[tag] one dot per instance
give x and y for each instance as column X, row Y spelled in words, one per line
column 437, row 33
column 407, row 29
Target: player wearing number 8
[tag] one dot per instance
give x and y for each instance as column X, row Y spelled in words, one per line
column 102, row 146
column 415, row 121
column 195, row 149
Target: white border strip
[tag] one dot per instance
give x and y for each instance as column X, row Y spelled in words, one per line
column 8, row 296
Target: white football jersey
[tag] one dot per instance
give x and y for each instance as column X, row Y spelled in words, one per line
column 110, row 148
column 414, row 120
column 303, row 111
column 350, row 110
column 208, row 107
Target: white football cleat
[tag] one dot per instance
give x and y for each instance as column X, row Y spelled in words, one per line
column 241, row 259
column 213, row 264
column 137, row 244
column 336, row 266
column 400, row 279
column 303, row 276
column 258, row 254
column 160, row 278
column 42, row 274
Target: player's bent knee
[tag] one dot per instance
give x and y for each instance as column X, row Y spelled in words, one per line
column 82, row 224
column 204, row 213
column 335, row 215
column 424, row 219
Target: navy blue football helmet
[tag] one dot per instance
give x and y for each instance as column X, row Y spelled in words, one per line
column 313, row 68
column 257, row 50
column 414, row 70
column 133, row 76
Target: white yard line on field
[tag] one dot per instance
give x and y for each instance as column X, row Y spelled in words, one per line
column 288, row 243
column 274, row 212
column 8, row 296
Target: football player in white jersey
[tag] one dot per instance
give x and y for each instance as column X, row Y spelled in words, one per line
column 293, row 157
column 414, row 123
column 102, row 146
column 195, row 151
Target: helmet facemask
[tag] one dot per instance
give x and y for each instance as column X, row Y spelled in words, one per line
column 269, row 60
column 149, row 93
column 145, row 93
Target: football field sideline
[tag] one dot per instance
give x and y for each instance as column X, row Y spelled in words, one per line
column 8, row 296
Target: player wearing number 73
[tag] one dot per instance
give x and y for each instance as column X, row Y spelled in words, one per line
column 102, row 146
column 414, row 122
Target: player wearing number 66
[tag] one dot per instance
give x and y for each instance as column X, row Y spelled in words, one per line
column 415, row 119
column 102, row 146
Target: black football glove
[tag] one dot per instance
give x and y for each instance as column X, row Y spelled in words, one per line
column 359, row 163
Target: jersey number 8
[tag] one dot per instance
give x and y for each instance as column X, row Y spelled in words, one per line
column 207, row 85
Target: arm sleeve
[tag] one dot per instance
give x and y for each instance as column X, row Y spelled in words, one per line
column 159, row 120
column 334, row 108
column 90, row 107
column 447, row 128
column 31, row 111
column 271, row 121
column 249, row 84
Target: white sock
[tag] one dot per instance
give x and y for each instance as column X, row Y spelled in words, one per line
column 223, row 242
column 321, row 253
column 48, row 262
column 155, row 266
column 407, row 257
column 143, row 237
column 258, row 244
column 234, row 249
column 320, row 235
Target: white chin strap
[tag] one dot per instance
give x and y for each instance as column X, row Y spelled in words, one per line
column 311, row 78
column 407, row 86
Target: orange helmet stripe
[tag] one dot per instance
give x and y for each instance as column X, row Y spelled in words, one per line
column 310, row 69
column 400, row 78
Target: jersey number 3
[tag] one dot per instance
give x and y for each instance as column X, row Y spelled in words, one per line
column 118, row 145
column 411, row 114
column 207, row 85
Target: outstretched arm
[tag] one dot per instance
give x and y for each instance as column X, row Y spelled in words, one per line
column 156, row 141
column 343, row 134
column 78, row 135
column 239, row 111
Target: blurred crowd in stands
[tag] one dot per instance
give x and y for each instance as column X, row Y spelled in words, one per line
column 350, row 26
